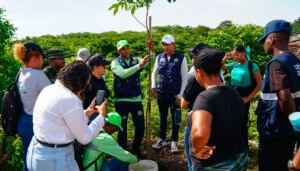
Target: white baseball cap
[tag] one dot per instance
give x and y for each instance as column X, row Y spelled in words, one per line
column 168, row 39
column 83, row 54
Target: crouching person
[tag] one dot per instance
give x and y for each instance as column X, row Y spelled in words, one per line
column 104, row 153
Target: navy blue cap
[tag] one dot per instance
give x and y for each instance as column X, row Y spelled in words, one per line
column 275, row 26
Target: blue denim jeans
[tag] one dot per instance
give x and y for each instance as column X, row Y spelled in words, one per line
column 25, row 131
column 114, row 165
column 187, row 146
column 42, row 158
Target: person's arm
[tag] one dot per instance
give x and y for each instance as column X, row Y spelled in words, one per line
column 227, row 56
column 200, row 133
column 147, row 64
column 153, row 77
column 188, row 93
column 279, row 83
column 191, row 72
column 91, row 108
column 258, row 80
column 286, row 101
column 117, row 69
column 109, row 146
column 296, row 160
column 184, row 71
column 75, row 119
column 184, row 103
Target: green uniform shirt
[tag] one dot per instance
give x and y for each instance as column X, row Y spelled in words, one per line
column 123, row 73
column 240, row 76
column 104, row 144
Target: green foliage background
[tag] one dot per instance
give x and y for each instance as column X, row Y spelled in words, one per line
column 224, row 38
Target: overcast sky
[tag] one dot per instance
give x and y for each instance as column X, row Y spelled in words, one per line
column 39, row 17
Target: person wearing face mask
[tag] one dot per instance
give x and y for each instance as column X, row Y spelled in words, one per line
column 31, row 81
column 245, row 78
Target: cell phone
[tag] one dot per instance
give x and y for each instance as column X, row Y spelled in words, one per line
column 100, row 97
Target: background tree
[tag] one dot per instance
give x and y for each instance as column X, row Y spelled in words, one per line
column 132, row 6
column 11, row 148
column 225, row 23
column 296, row 26
column 186, row 37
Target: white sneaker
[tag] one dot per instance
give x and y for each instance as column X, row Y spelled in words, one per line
column 159, row 144
column 174, row 147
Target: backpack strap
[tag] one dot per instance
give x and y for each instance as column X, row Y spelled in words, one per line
column 234, row 64
column 98, row 157
column 94, row 162
column 250, row 68
column 16, row 87
column 17, row 77
column 16, row 82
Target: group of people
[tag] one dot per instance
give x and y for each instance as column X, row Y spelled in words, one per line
column 59, row 105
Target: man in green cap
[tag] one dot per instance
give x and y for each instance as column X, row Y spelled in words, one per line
column 56, row 59
column 104, row 153
column 127, row 91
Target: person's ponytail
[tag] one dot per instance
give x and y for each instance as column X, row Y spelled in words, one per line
column 19, row 52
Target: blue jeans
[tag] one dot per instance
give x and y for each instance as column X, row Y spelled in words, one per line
column 114, row 165
column 187, row 146
column 166, row 101
column 25, row 131
column 42, row 158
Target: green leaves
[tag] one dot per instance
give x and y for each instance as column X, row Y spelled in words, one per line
column 296, row 26
column 7, row 31
column 131, row 5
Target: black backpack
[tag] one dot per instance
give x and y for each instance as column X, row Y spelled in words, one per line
column 11, row 109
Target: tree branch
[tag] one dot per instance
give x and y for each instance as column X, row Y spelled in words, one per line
column 138, row 21
column 147, row 27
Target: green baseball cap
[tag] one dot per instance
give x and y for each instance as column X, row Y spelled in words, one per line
column 122, row 43
column 115, row 119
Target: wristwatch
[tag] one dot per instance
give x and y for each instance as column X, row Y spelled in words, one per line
column 290, row 164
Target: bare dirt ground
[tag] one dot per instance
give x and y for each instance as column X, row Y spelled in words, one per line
column 168, row 161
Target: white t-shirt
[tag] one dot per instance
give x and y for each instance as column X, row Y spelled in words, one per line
column 30, row 83
column 59, row 118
